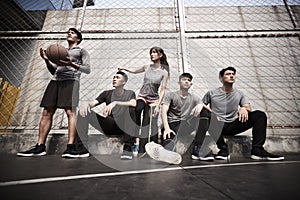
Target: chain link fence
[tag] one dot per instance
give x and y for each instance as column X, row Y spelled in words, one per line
column 259, row 37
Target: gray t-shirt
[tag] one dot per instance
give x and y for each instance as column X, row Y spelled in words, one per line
column 225, row 105
column 180, row 107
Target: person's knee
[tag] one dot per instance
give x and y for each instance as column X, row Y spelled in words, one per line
column 70, row 112
column 259, row 114
column 139, row 109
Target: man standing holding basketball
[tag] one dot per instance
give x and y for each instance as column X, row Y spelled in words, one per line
column 62, row 92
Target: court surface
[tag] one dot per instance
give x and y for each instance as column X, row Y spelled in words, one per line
column 51, row 177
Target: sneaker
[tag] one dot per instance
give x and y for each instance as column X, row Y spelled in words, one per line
column 261, row 154
column 196, row 150
column 135, row 150
column 70, row 152
column 159, row 153
column 37, row 150
column 223, row 154
column 196, row 154
column 208, row 157
column 127, row 153
column 82, row 152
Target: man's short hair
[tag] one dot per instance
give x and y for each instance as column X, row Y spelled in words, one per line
column 185, row 75
column 79, row 35
column 123, row 74
column 221, row 73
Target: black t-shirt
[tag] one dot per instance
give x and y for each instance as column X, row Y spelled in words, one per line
column 109, row 96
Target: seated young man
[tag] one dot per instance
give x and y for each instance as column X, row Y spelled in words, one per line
column 117, row 118
column 181, row 113
column 232, row 114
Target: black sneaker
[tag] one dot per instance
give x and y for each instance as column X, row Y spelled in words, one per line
column 70, row 152
column 83, row 152
column 196, row 150
column 37, row 150
column 127, row 152
column 223, row 154
column 259, row 153
column 196, row 155
column 208, row 157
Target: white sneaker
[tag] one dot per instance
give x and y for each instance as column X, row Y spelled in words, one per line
column 159, row 153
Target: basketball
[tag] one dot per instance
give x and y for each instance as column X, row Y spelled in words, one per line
column 56, row 52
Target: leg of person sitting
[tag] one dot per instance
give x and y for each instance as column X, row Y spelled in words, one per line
column 144, row 129
column 236, row 127
column 216, row 132
column 259, row 132
column 138, row 113
column 128, row 128
column 166, row 152
column 102, row 124
column 127, row 141
column 257, row 120
column 154, row 129
column 199, row 151
column 170, row 143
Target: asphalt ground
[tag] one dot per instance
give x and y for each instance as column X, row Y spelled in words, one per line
column 107, row 177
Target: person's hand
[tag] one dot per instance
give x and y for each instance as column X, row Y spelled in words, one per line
column 196, row 110
column 43, row 54
column 167, row 133
column 107, row 110
column 66, row 62
column 84, row 109
column 243, row 114
column 207, row 108
column 156, row 111
column 121, row 68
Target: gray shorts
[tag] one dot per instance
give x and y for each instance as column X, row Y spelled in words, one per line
column 61, row 94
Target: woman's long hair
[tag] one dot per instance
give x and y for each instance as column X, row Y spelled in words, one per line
column 163, row 60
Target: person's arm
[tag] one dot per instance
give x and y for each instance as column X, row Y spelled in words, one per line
column 86, row 107
column 164, row 117
column 107, row 110
column 51, row 68
column 243, row 112
column 162, row 91
column 245, row 108
column 134, row 70
column 83, row 67
column 197, row 109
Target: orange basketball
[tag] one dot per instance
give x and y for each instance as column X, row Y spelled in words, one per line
column 56, row 52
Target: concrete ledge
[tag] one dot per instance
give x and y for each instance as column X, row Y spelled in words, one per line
column 99, row 144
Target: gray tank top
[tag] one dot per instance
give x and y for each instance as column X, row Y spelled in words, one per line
column 152, row 81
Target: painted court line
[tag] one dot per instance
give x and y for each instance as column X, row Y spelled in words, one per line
column 74, row 177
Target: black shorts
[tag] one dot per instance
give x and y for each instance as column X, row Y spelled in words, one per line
column 61, row 94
